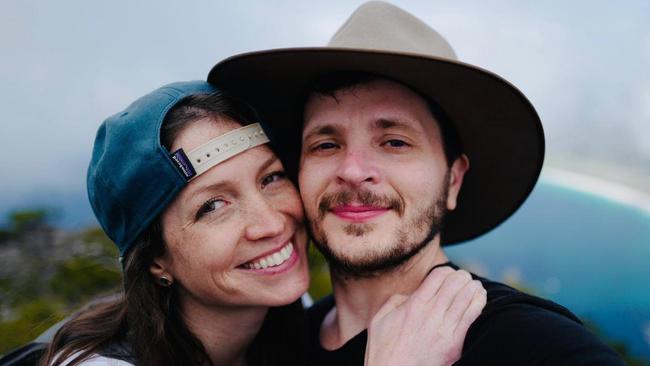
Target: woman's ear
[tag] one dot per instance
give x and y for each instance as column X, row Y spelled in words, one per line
column 160, row 271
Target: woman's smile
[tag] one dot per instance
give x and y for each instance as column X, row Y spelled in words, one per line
column 278, row 261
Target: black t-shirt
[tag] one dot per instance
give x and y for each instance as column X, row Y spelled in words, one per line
column 514, row 329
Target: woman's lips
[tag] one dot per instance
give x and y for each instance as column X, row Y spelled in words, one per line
column 358, row 214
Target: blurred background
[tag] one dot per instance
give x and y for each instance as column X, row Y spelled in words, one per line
column 582, row 239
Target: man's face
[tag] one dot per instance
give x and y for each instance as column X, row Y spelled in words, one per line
column 373, row 176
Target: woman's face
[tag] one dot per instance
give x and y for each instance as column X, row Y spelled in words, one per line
column 235, row 235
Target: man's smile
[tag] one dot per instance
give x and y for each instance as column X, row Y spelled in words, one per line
column 358, row 213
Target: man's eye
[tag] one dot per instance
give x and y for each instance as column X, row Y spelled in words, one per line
column 210, row 206
column 395, row 143
column 325, row 146
column 273, row 177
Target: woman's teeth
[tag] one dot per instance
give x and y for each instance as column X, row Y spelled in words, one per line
column 272, row 260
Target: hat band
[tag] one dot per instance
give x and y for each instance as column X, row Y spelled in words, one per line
column 219, row 149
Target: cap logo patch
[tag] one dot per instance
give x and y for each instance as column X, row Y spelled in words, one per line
column 183, row 164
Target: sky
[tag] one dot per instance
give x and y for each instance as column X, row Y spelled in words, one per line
column 67, row 65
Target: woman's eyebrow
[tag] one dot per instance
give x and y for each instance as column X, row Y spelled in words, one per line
column 220, row 186
column 224, row 185
column 268, row 162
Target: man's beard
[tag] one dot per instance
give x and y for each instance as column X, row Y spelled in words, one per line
column 428, row 221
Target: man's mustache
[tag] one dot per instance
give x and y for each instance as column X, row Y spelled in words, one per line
column 363, row 197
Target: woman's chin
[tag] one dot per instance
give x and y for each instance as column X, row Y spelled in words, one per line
column 287, row 293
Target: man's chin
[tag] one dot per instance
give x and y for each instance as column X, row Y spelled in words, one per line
column 359, row 262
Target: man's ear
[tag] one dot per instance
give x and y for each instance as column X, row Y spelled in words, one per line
column 456, row 173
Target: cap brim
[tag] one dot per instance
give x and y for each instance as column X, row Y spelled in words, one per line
column 499, row 129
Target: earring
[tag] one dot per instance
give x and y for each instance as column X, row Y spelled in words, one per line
column 165, row 281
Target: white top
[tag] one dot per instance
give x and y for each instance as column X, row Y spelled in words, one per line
column 97, row 360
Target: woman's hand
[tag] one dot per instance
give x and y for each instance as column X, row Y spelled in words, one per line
column 429, row 326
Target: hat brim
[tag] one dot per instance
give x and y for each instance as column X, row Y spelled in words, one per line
column 499, row 129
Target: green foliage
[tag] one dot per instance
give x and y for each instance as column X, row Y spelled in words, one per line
column 21, row 221
column 26, row 289
column 5, row 288
column 5, row 235
column 5, row 285
column 80, row 278
column 95, row 237
column 320, row 284
column 32, row 319
column 45, row 288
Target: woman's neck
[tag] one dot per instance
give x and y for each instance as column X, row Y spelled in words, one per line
column 225, row 332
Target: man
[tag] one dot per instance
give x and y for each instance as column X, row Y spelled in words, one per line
column 403, row 150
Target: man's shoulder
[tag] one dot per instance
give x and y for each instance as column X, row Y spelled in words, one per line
column 516, row 327
column 501, row 297
column 510, row 311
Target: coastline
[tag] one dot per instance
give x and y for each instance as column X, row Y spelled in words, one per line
column 607, row 189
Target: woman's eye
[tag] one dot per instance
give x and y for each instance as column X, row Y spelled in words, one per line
column 395, row 143
column 273, row 177
column 210, row 206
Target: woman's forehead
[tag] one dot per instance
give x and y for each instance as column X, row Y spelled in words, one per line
column 199, row 132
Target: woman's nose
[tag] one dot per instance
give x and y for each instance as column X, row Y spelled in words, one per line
column 264, row 221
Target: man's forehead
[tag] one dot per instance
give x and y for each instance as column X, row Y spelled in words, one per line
column 377, row 124
column 381, row 104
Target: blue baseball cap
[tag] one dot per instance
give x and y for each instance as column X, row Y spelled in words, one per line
column 132, row 177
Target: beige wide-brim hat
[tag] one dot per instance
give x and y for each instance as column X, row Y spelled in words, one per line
column 499, row 129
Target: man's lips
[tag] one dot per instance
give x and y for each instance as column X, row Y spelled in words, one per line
column 356, row 213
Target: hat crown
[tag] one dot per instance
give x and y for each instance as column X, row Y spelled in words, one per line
column 378, row 25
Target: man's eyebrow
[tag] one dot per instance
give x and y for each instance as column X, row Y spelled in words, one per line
column 384, row 124
column 322, row 130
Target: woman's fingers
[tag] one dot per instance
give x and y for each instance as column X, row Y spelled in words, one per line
column 450, row 288
column 431, row 284
column 471, row 313
column 462, row 301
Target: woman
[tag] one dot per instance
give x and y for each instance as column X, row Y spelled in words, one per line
column 211, row 238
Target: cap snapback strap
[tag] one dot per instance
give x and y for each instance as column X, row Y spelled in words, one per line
column 218, row 150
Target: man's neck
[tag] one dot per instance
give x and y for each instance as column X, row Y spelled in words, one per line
column 359, row 299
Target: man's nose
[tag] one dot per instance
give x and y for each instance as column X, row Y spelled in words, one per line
column 357, row 169
column 264, row 221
